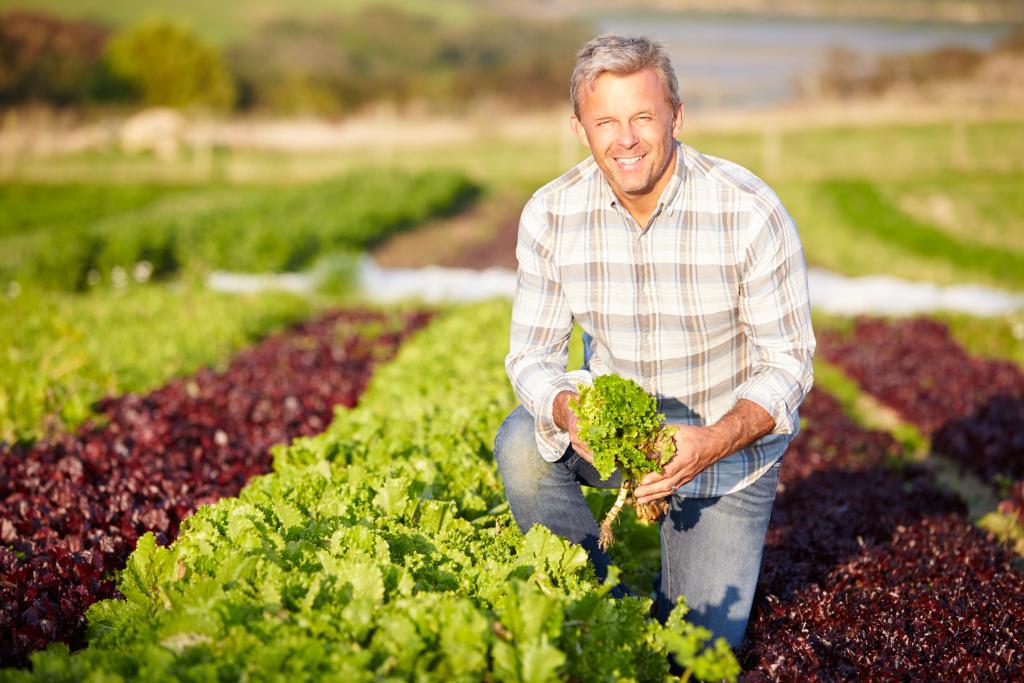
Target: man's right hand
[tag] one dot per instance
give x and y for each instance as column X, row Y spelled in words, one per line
column 565, row 418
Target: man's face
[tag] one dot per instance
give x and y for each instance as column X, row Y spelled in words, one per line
column 630, row 127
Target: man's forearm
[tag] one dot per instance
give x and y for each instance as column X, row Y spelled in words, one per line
column 697, row 448
column 743, row 425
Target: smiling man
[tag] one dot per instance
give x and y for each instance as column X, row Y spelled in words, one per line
column 687, row 275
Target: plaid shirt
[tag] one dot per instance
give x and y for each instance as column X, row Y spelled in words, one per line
column 705, row 305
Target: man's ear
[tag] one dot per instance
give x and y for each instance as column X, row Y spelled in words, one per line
column 577, row 127
column 677, row 120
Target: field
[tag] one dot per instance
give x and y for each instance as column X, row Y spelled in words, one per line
column 215, row 516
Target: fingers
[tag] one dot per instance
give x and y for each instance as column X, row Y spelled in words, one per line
column 655, row 491
column 582, row 450
column 655, row 486
column 650, row 479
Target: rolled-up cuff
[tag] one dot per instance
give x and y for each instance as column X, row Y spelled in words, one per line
column 551, row 439
column 773, row 404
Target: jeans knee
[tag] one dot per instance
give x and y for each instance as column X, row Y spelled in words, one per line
column 515, row 451
column 515, row 434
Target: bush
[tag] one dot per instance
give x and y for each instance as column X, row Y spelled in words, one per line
column 168, row 65
column 44, row 59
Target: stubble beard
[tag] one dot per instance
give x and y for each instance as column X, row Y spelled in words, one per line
column 647, row 184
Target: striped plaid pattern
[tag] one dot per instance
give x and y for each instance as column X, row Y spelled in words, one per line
column 705, row 305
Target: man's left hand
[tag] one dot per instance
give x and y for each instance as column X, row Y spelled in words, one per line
column 696, row 449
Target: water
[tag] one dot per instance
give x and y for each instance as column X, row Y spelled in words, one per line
column 743, row 61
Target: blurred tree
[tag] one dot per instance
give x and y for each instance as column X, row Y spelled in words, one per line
column 169, row 65
column 45, row 59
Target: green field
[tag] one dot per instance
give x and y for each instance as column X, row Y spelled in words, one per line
column 863, row 198
column 356, row 559
column 103, row 258
column 102, row 283
column 852, row 192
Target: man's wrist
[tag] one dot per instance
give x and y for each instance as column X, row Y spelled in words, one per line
column 744, row 424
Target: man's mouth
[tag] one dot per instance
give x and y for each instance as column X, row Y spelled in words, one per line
column 629, row 162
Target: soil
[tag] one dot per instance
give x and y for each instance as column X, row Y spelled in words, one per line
column 484, row 236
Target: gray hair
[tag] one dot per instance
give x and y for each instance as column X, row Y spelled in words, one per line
column 622, row 56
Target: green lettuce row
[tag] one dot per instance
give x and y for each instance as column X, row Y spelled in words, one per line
column 255, row 229
column 63, row 351
column 380, row 550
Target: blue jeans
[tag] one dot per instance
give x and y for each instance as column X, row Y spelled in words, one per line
column 711, row 548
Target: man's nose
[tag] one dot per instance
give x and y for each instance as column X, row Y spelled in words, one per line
column 628, row 136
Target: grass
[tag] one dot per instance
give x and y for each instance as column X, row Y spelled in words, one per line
column 995, row 337
column 831, row 241
column 984, row 208
column 847, row 189
column 28, row 208
column 882, row 152
column 867, row 412
column 860, row 204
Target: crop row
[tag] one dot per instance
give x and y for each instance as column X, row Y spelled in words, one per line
column 972, row 408
column 383, row 549
column 379, row 550
column 72, row 508
column 158, row 234
column 870, row 572
column 63, row 351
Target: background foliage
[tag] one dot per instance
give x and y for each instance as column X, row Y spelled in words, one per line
column 166, row 64
column 323, row 64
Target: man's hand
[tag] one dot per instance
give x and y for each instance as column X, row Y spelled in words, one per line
column 697, row 448
column 565, row 418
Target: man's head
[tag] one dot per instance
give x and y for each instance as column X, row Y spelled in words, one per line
column 622, row 56
column 628, row 111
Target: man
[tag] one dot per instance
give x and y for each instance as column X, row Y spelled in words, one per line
column 688, row 275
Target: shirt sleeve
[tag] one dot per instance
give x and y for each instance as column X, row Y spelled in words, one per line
column 541, row 327
column 775, row 315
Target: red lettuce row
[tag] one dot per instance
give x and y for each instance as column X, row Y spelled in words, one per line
column 72, row 509
column 915, row 366
column 972, row 408
column 872, row 573
column 990, row 441
column 938, row 601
